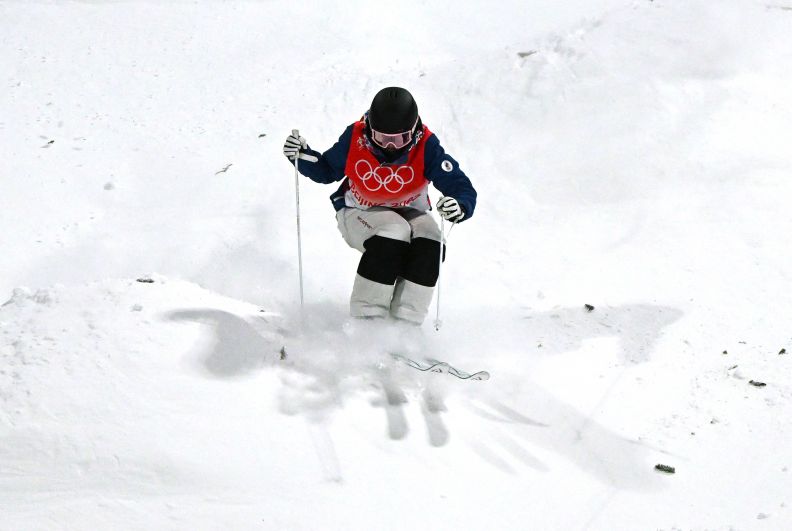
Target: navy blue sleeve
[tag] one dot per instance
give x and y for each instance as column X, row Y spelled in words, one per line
column 448, row 177
column 329, row 167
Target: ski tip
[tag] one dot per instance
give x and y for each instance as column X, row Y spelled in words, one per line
column 440, row 367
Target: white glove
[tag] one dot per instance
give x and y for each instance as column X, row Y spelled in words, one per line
column 450, row 210
column 294, row 145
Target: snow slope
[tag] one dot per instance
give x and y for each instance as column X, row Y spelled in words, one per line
column 631, row 155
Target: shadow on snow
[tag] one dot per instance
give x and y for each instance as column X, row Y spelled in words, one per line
column 325, row 367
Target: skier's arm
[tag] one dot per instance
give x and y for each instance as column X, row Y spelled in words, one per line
column 328, row 167
column 446, row 175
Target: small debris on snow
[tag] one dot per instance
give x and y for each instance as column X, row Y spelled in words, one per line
column 725, row 352
column 262, row 135
column 529, row 53
column 137, row 308
column 757, row 384
column 283, row 353
column 732, row 367
column 146, row 280
column 782, row 351
column 589, row 307
column 223, row 170
column 665, row 468
column 48, row 144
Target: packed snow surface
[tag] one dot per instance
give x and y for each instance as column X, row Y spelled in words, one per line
column 156, row 371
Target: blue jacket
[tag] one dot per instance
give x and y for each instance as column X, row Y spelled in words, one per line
column 439, row 168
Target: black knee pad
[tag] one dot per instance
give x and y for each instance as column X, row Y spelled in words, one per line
column 422, row 262
column 383, row 259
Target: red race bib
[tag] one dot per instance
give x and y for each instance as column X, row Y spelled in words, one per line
column 374, row 183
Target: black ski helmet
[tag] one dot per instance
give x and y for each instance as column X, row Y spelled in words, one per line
column 393, row 110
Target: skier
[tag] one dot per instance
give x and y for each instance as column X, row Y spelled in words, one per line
column 385, row 162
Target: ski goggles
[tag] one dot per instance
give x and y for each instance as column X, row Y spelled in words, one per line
column 397, row 140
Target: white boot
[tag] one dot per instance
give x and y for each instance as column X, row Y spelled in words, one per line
column 369, row 298
column 411, row 301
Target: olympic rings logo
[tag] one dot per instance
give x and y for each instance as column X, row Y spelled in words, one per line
column 383, row 177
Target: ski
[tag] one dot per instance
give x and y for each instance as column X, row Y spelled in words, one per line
column 440, row 367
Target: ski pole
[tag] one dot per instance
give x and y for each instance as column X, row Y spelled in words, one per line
column 296, row 134
column 438, row 323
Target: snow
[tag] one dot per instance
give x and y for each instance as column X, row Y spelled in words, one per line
column 630, row 155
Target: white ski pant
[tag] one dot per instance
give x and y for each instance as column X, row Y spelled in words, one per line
column 407, row 231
